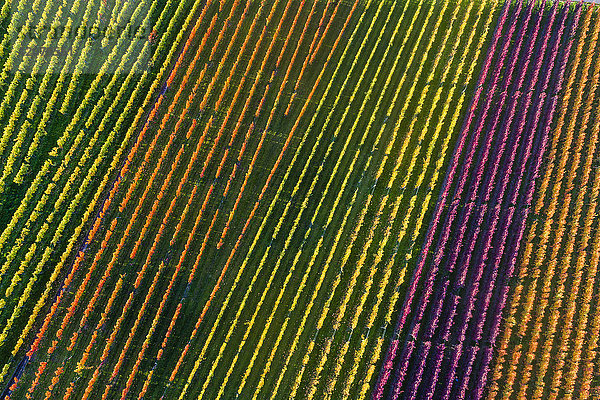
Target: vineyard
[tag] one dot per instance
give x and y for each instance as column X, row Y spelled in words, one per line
column 308, row 199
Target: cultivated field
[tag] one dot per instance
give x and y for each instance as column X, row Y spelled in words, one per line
column 312, row 199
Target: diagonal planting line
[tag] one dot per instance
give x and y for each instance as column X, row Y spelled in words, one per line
column 483, row 366
column 549, row 211
column 312, row 221
column 415, row 205
column 388, row 362
column 41, row 302
column 529, row 125
column 399, row 161
column 249, row 65
column 409, row 175
column 242, row 305
column 90, row 236
column 407, row 350
column 439, row 302
column 233, row 174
